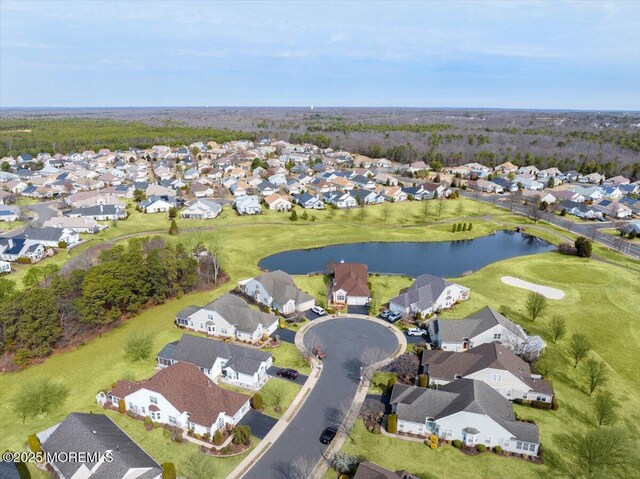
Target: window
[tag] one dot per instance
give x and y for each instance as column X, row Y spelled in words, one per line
column 172, row 420
column 143, row 410
column 496, row 377
column 541, row 398
column 223, row 331
column 497, row 336
column 153, row 400
column 487, row 439
column 210, row 316
column 447, row 432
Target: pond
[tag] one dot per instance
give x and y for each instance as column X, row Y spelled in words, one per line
column 448, row 259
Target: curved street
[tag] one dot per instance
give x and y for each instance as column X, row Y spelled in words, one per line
column 344, row 341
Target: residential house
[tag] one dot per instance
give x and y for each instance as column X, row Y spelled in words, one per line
column 614, row 209
column 581, row 210
column 247, row 205
column 350, row 284
column 362, row 181
column 278, row 202
column 485, row 186
column 427, row 295
column 593, row 178
column 506, row 168
column 5, row 266
column 529, row 183
column 92, row 445
column 527, row 170
column 200, row 190
column 158, row 204
column 51, row 237
column 491, row 363
column 79, row 225
column 617, row 181
column 98, row 213
column 394, row 194
column 484, row 326
column 368, row 197
column 9, row 213
column 12, row 248
column 594, row 193
column 235, row 364
column 277, row 290
column 228, row 316
column 308, row 201
column 369, row 470
column 201, row 209
column 341, row 200
column 507, row 185
column 181, row 395
column 385, row 179
column 613, row 192
column 466, row 410
column 266, row 188
column 562, row 195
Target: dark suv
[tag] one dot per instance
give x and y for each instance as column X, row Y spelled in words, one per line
column 288, row 373
column 328, row 435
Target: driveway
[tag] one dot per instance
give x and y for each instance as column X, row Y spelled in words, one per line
column 354, row 309
column 301, row 379
column 260, row 423
column 286, row 335
column 343, row 340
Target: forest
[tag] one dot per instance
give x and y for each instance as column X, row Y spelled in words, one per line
column 56, row 308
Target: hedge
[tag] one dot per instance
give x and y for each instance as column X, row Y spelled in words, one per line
column 392, row 423
column 457, row 443
column 122, row 407
column 168, row 470
column 257, row 402
column 34, row 443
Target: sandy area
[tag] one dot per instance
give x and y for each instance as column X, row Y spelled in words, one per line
column 546, row 291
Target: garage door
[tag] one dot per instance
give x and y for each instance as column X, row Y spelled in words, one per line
column 357, row 300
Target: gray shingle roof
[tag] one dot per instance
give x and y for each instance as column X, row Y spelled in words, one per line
column 43, row 234
column 456, row 330
column 203, row 352
column 237, row 312
column 417, row 404
column 424, row 291
column 281, row 287
column 97, row 433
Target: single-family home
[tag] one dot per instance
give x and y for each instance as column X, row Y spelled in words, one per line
column 181, row 395
column 613, row 192
column 247, row 205
column 277, row 290
column 158, row 204
column 308, row 201
column 593, row 178
column 484, row 326
column 232, row 363
column 394, row 194
column 617, row 181
column 491, row 363
column 527, row 170
column 341, row 199
column 427, row 295
column 485, row 186
column 5, row 266
column 368, row 197
column 12, row 248
column 77, row 224
column 369, row 470
column 581, row 210
column 350, row 284
column 266, row 188
column 562, row 195
column 506, row 168
column 228, row 316
column 201, row 209
column 594, row 193
column 9, row 213
column 98, row 212
column 92, row 445
column 466, row 410
column 201, row 190
column 614, row 209
column 278, row 202
column 51, row 237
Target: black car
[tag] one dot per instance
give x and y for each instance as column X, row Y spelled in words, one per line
column 328, row 435
column 288, row 373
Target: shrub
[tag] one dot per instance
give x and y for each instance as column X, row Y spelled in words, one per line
column 433, row 438
column 23, row 260
column 470, row 226
column 304, row 215
column 34, row 443
column 257, row 402
column 583, row 247
column 497, row 449
column 217, row 438
column 554, row 403
column 433, row 445
column 541, row 405
column 293, row 216
column 156, row 424
column 392, row 423
column 138, row 346
column 481, row 448
column 197, row 436
column 457, row 443
column 567, row 248
column 206, row 436
column 122, row 407
column 390, row 383
column 423, row 380
column 62, row 244
column 168, row 470
column 241, row 435
column 173, row 228
column 148, row 421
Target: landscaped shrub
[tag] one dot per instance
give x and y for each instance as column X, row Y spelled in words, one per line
column 23, row 260
column 433, row 438
column 423, row 380
column 34, row 443
column 62, row 244
column 197, row 436
column 481, row 448
column 541, row 405
column 257, row 402
column 457, row 443
column 470, row 227
column 217, row 438
column 293, row 216
column 554, row 403
column 148, row 421
column 583, row 247
column 567, row 248
column 390, row 384
column 206, row 436
column 392, row 423
column 122, row 407
column 433, row 445
column 168, row 470
column 225, row 450
column 156, row 424
column 497, row 449
column 241, row 435
column 304, row 215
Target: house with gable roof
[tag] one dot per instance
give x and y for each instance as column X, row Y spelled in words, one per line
column 427, row 295
column 277, row 290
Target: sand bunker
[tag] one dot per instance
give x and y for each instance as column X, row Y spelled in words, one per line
column 546, row 291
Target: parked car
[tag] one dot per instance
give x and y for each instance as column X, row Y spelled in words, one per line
column 416, row 332
column 385, row 314
column 318, row 352
column 328, row 435
column 394, row 316
column 318, row 310
column 287, row 373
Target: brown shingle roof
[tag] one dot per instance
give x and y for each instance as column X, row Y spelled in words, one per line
column 188, row 389
column 352, row 278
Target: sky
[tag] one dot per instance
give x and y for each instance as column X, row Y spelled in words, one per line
column 497, row 54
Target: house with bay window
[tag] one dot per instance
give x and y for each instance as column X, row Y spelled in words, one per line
column 468, row 410
column 229, row 316
column 219, row 360
column 180, row 395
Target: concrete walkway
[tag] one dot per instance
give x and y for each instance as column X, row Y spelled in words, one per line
column 310, row 383
column 546, row 291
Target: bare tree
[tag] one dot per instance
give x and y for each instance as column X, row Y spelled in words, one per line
column 596, row 374
column 343, row 418
column 300, row 468
column 369, row 358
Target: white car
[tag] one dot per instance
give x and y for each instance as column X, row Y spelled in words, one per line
column 416, row 332
column 318, row 310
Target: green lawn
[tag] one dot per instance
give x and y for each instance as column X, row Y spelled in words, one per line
column 315, row 285
column 287, row 356
column 11, row 225
column 278, row 392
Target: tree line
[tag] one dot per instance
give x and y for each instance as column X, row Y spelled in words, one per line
column 125, row 281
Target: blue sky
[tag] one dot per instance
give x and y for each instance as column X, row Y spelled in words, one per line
column 577, row 55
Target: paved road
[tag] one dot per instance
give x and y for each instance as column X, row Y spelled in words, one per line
column 587, row 229
column 40, row 212
column 344, row 340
